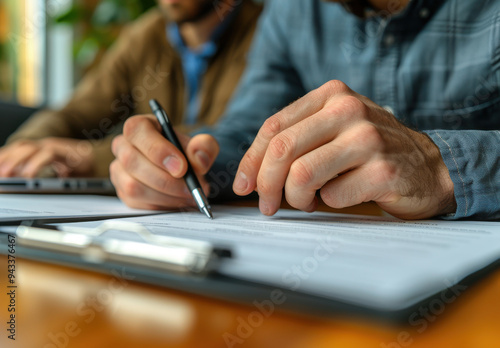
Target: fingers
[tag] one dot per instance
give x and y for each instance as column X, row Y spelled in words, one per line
column 348, row 189
column 137, row 195
column 280, row 159
column 370, row 182
column 138, row 167
column 144, row 133
column 310, row 172
column 15, row 156
column 65, row 156
column 246, row 177
column 38, row 161
column 311, row 103
column 143, row 172
column 202, row 150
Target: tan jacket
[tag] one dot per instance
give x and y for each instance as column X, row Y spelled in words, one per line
column 142, row 65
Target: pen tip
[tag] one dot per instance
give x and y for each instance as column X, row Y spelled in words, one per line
column 208, row 213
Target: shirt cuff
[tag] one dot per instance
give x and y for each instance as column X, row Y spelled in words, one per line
column 471, row 157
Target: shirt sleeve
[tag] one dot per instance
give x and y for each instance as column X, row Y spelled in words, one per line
column 474, row 166
column 269, row 83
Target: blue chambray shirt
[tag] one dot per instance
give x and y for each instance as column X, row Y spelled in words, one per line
column 436, row 66
column 194, row 65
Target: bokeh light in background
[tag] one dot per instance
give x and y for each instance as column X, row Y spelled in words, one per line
column 47, row 45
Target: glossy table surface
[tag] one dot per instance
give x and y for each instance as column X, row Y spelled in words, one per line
column 57, row 306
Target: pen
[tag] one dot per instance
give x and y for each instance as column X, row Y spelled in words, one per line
column 191, row 180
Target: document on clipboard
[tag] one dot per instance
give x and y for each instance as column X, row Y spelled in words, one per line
column 380, row 263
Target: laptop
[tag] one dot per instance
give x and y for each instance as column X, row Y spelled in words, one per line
column 56, row 185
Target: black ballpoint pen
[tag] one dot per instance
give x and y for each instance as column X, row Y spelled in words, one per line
column 190, row 177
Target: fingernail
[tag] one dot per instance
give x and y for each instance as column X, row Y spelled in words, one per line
column 240, row 182
column 264, row 207
column 203, row 158
column 172, row 164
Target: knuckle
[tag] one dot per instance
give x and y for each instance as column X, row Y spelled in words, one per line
column 128, row 159
column 281, row 146
column 163, row 184
column 301, row 174
column 384, row 172
column 251, row 158
column 271, row 127
column 131, row 125
column 155, row 152
column 263, row 186
column 354, row 106
column 330, row 199
column 336, row 86
column 131, row 188
column 370, row 135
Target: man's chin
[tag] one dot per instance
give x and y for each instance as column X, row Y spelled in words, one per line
column 176, row 12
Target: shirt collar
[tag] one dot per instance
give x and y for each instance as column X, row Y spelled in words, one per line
column 363, row 9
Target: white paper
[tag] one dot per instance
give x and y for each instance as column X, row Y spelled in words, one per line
column 19, row 207
column 382, row 263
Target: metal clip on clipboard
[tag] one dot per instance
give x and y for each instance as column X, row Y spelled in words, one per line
column 159, row 252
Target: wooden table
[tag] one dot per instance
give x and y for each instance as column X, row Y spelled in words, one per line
column 59, row 307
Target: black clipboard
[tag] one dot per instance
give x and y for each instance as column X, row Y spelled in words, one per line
column 197, row 276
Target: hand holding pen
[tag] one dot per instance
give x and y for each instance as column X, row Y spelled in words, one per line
column 149, row 170
column 190, row 177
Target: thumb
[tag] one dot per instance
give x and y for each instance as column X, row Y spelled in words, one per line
column 201, row 151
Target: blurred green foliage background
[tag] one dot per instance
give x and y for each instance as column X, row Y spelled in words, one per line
column 98, row 26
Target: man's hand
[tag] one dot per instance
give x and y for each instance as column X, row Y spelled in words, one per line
column 148, row 170
column 28, row 158
column 352, row 150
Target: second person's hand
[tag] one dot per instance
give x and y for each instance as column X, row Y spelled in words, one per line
column 28, row 158
column 350, row 149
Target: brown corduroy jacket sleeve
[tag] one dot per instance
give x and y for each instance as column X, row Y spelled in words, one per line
column 91, row 112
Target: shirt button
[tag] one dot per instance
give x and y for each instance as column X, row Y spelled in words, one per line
column 424, row 13
column 389, row 109
column 389, row 40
